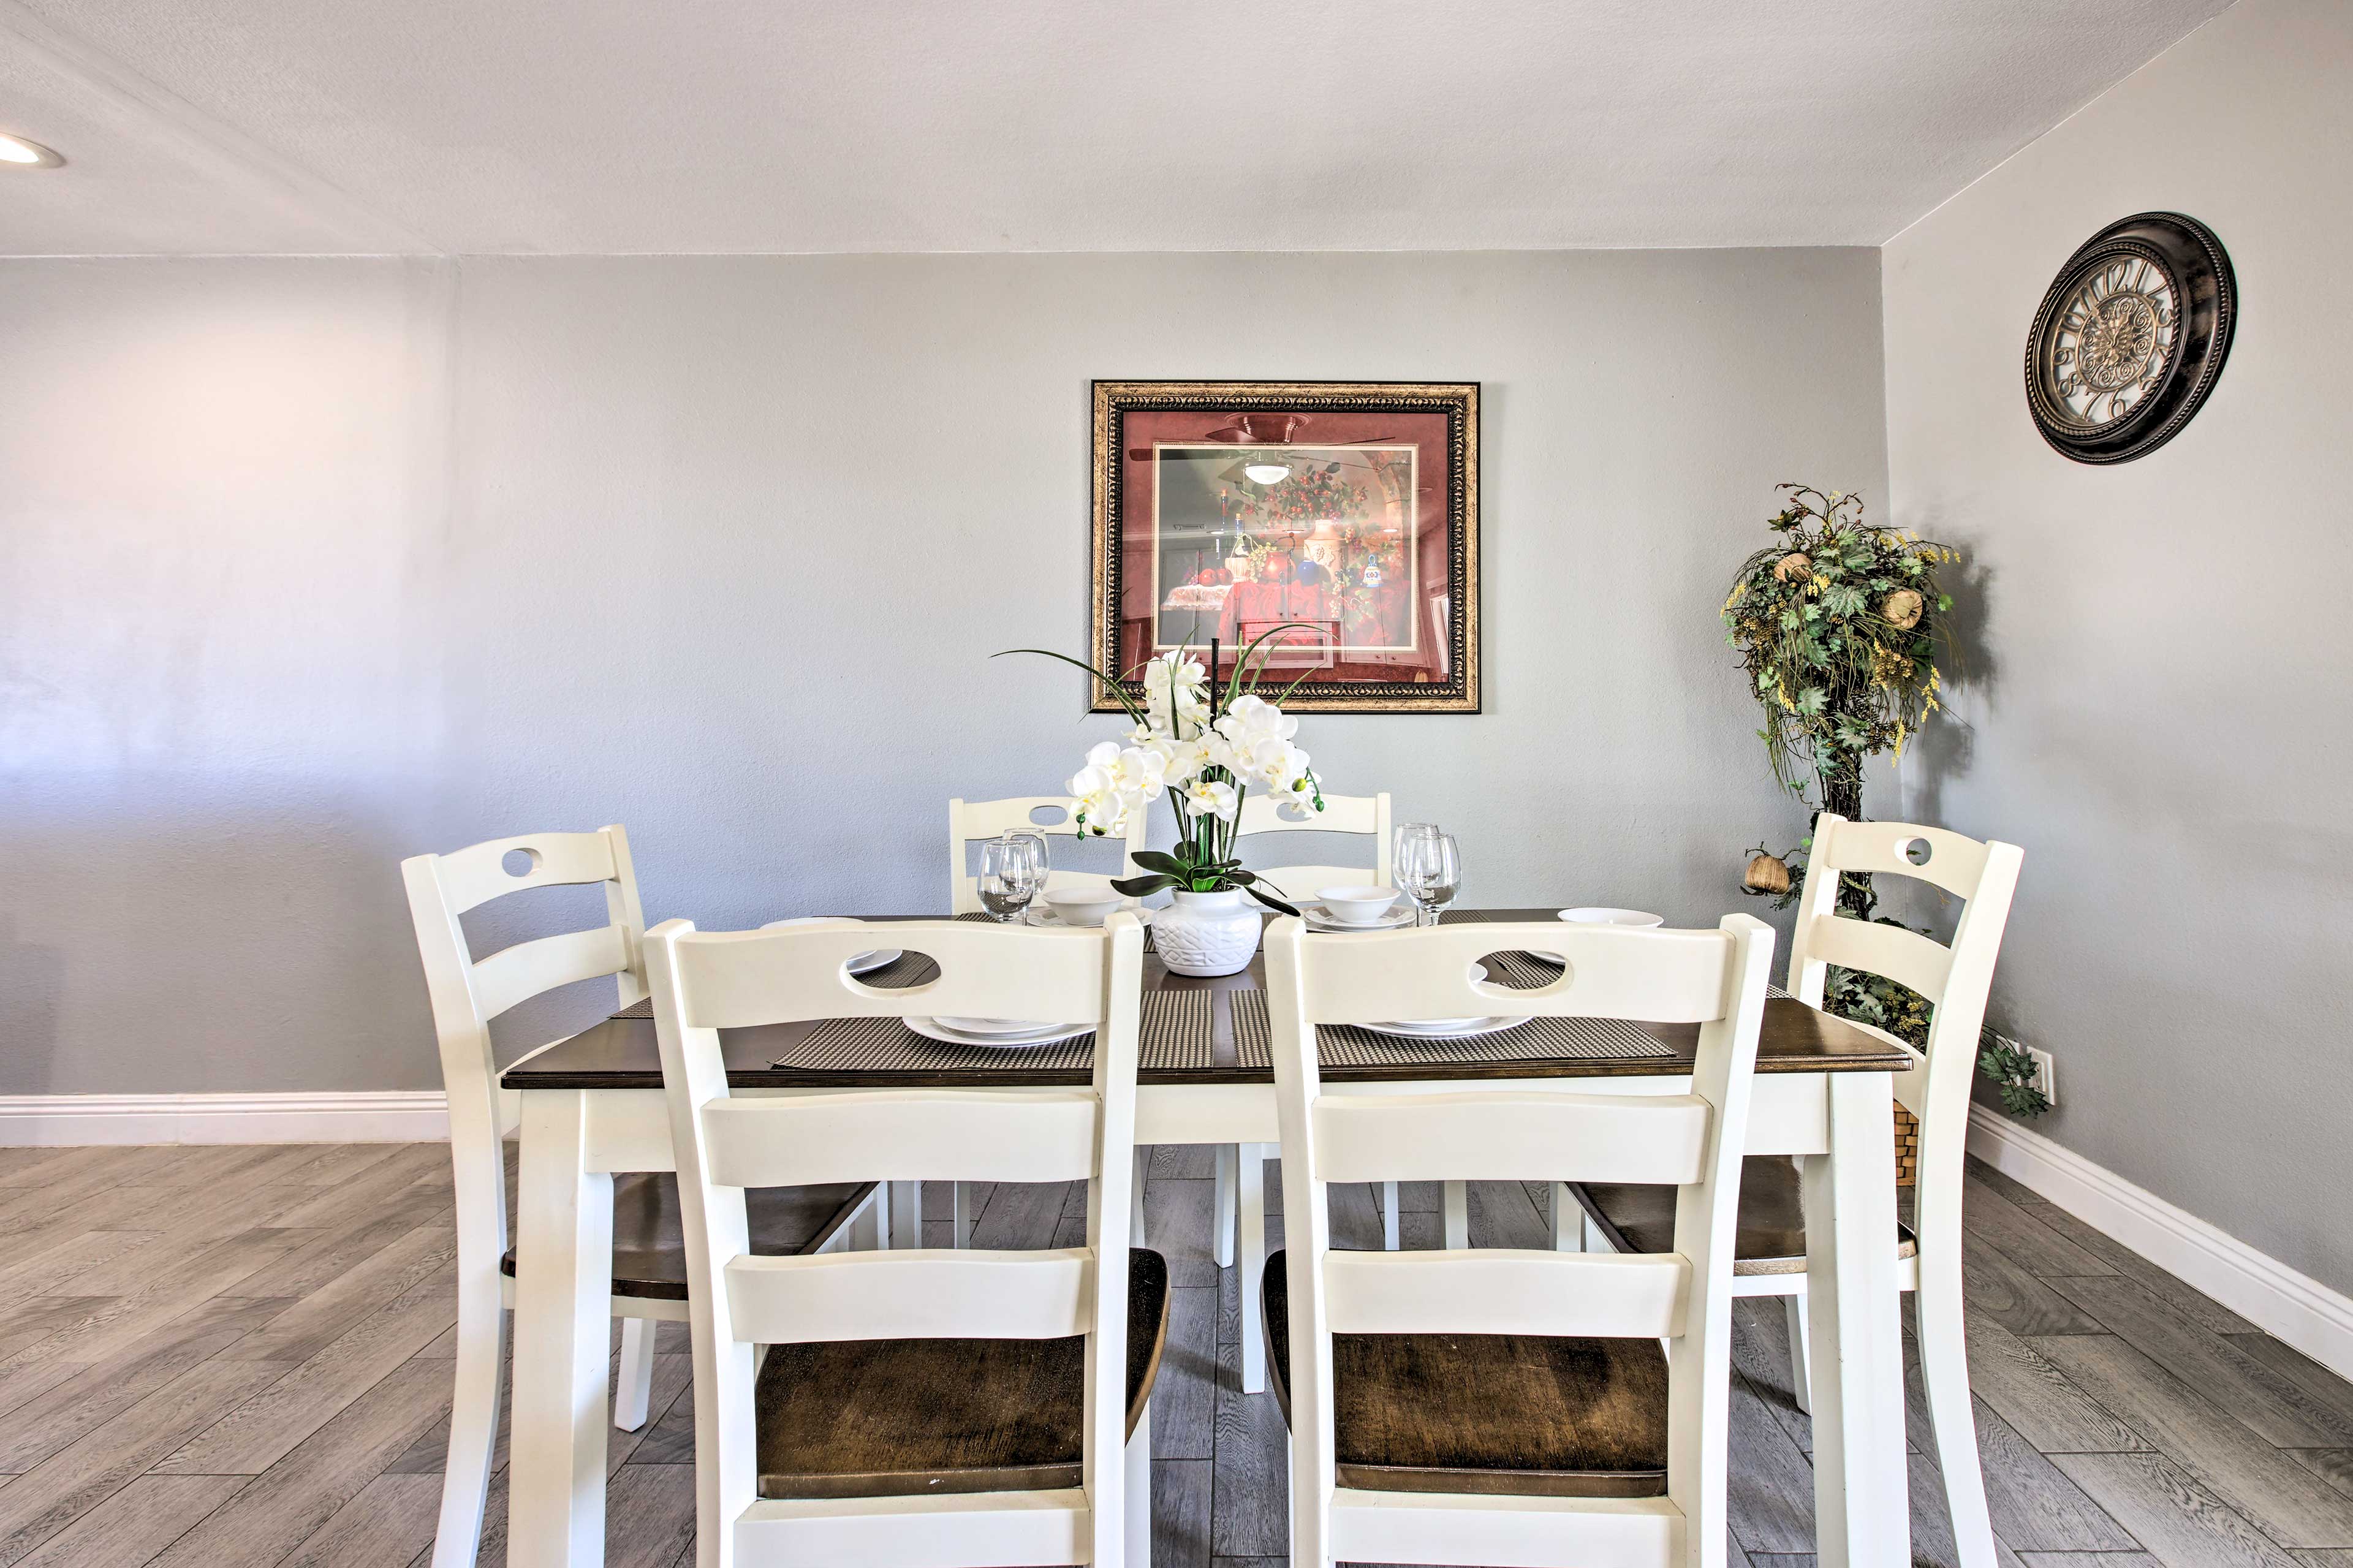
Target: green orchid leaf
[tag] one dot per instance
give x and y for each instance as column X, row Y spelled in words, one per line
column 1271, row 901
column 1144, row 887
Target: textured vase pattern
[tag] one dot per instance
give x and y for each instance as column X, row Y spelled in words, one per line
column 1206, row 934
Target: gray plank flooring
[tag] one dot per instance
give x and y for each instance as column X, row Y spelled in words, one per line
column 239, row 1358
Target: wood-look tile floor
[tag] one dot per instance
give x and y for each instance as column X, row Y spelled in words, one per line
column 234, row 1357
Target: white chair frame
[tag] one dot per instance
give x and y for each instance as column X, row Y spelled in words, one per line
column 706, row 982
column 970, row 821
column 1956, row 981
column 1936, row 1089
column 1695, row 1140
column 1240, row 1168
column 1360, row 814
column 466, row 995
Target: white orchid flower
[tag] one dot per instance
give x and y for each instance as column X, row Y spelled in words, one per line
column 1211, row 798
column 1181, row 761
column 1253, row 719
column 1272, row 763
column 1176, row 668
column 1137, row 771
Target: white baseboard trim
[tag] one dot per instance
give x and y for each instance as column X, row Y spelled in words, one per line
column 2290, row 1306
column 65, row 1120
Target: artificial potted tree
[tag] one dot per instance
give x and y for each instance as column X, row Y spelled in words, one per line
column 1838, row 625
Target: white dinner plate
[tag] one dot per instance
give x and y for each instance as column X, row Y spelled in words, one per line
column 1040, row 915
column 864, row 962
column 1446, row 1028
column 1318, row 918
column 991, row 1026
column 1596, row 915
column 1045, row 1035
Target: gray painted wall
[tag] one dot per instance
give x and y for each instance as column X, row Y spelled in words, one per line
column 2161, row 675
column 314, row 565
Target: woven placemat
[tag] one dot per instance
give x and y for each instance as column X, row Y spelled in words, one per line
column 1539, row 1039
column 1174, row 1033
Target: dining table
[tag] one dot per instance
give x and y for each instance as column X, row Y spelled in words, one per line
column 592, row 1106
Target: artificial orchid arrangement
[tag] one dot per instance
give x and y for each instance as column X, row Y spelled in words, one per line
column 1204, row 745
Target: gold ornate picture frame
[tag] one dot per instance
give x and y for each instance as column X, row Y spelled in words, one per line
column 1344, row 513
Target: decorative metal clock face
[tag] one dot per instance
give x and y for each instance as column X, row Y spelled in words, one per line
column 2130, row 338
column 2113, row 342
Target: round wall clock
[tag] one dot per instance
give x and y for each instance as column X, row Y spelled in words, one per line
column 2130, row 338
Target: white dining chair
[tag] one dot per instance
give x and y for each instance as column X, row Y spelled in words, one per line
column 913, row 1407
column 1770, row 1251
column 1506, row 1405
column 969, row 822
column 649, row 1280
column 1364, row 816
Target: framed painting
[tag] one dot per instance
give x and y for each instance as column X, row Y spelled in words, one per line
column 1343, row 513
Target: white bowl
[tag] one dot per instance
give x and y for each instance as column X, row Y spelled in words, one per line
column 1082, row 906
column 1594, row 915
column 1357, row 906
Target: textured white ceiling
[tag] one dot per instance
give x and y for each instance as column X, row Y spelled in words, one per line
column 527, row 126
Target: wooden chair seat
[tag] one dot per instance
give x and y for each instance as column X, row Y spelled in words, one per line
column 910, row 1417
column 1772, row 1234
column 1502, row 1414
column 649, row 1234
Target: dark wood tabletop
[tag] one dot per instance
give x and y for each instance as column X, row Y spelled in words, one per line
column 621, row 1053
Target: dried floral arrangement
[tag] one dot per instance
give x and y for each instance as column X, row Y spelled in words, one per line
column 1838, row 623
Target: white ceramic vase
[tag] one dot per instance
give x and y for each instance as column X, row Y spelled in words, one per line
column 1207, row 933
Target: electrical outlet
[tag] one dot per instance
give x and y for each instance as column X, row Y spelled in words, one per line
column 2045, row 1074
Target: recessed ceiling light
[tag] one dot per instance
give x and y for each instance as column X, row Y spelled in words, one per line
column 17, row 153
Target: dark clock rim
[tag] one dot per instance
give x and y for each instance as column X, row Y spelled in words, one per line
column 2207, row 289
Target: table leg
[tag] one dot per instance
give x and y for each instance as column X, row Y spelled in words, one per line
column 563, row 1323
column 1250, row 1215
column 906, row 1215
column 1862, row 1514
column 1135, row 1195
column 1222, row 1208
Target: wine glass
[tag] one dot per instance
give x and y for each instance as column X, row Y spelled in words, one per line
column 1012, row 869
column 1429, row 869
column 1405, row 833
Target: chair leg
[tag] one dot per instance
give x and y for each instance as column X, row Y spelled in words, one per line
column 1801, row 1383
column 633, row 1390
column 1590, row 1233
column 1945, row 1378
column 1568, row 1221
column 906, row 1215
column 1229, row 1161
column 1250, row 1197
column 1390, row 1217
column 1457, row 1220
column 1136, row 1495
column 473, row 1423
column 960, row 1216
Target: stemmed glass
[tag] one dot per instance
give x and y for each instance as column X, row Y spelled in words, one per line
column 1429, row 870
column 1012, row 869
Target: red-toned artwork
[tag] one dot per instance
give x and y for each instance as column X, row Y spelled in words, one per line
column 1345, row 514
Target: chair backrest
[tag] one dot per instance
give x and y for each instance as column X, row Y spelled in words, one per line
column 467, row 994
column 1955, row 979
column 1361, row 814
column 969, row 820
column 706, row 982
column 1693, row 1141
